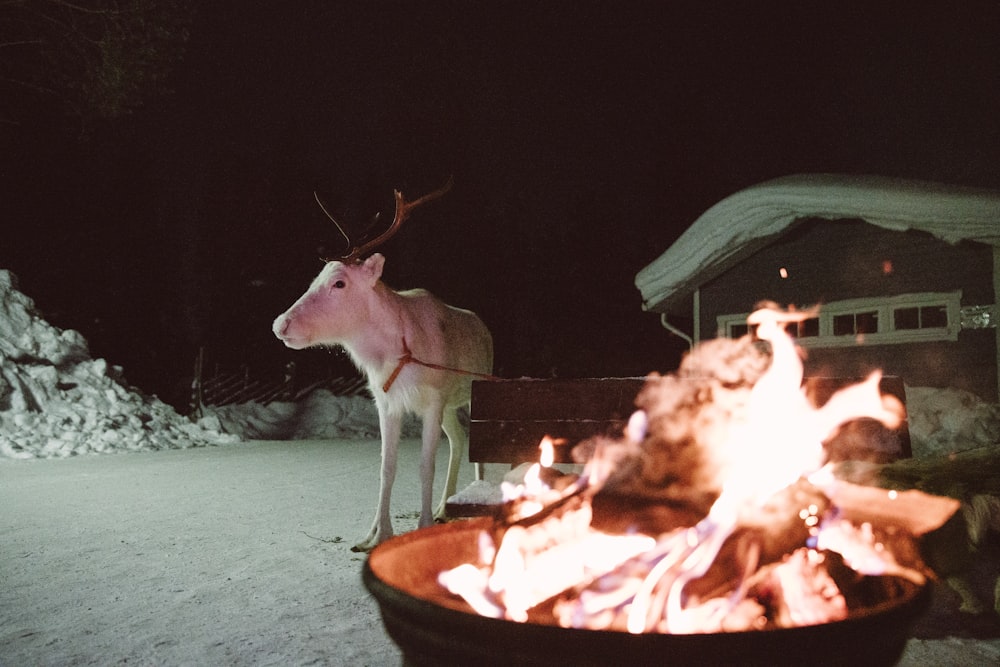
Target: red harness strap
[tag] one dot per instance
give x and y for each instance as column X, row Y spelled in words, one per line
column 408, row 358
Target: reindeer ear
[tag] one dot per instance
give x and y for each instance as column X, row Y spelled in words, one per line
column 373, row 265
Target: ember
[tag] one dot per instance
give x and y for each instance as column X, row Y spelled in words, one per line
column 714, row 513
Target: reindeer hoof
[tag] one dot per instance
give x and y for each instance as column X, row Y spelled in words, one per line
column 366, row 545
column 374, row 538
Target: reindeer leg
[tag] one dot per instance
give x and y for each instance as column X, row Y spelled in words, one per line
column 457, row 440
column 431, row 437
column 390, row 426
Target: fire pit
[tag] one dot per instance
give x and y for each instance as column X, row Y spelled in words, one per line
column 713, row 531
column 432, row 627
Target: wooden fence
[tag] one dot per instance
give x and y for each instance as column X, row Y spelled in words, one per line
column 227, row 387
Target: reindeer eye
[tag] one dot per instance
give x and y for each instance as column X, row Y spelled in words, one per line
column 340, row 284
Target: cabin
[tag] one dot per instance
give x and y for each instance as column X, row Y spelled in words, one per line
column 905, row 274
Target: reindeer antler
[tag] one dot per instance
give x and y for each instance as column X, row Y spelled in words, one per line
column 357, row 253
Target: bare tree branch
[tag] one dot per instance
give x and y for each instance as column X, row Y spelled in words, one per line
column 95, row 58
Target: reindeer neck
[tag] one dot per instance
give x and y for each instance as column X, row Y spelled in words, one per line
column 381, row 345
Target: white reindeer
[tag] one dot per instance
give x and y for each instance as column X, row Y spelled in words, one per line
column 382, row 330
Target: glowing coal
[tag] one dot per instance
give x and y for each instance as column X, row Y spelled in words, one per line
column 714, row 513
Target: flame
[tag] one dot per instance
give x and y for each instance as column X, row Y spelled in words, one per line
column 548, row 452
column 533, row 491
column 781, row 438
column 548, row 549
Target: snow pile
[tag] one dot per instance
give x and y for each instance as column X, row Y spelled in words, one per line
column 319, row 416
column 56, row 401
column 478, row 492
column 943, row 421
column 483, row 492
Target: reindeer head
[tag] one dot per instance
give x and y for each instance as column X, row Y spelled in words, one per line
column 337, row 307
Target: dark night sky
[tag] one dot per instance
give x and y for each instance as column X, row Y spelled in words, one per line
column 583, row 137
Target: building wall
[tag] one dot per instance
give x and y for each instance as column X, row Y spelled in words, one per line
column 966, row 364
column 827, row 261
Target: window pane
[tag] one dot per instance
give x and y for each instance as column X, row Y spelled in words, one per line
column 843, row 325
column 738, row 330
column 906, row 318
column 809, row 327
column 866, row 322
column 933, row 317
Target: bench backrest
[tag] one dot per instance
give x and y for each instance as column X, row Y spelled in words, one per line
column 510, row 417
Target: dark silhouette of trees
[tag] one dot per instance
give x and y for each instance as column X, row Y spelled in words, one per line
column 87, row 60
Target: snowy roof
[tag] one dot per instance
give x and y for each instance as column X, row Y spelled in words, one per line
column 744, row 222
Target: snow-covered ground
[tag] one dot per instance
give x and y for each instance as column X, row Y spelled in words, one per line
column 230, row 555
column 227, row 555
column 200, row 543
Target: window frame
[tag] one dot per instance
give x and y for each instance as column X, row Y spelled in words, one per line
column 885, row 308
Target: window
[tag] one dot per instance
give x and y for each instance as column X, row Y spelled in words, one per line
column 905, row 318
column 808, row 328
column 738, row 330
column 920, row 317
column 850, row 324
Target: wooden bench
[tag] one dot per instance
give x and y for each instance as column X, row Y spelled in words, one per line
column 510, row 417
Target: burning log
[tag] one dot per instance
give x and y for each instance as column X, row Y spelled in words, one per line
column 800, row 591
column 714, row 513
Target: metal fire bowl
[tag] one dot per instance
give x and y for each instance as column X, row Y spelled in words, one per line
column 432, row 627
